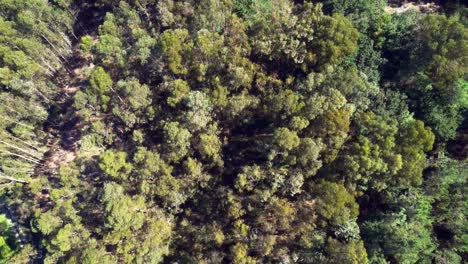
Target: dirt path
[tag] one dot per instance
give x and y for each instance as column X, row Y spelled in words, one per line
column 63, row 132
column 407, row 6
column 63, row 126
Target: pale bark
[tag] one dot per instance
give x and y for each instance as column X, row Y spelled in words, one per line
column 6, row 177
column 20, row 156
column 26, row 143
column 37, row 156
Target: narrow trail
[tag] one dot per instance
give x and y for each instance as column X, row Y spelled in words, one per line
column 64, row 127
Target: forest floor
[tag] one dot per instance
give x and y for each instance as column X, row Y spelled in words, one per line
column 64, row 128
column 407, row 6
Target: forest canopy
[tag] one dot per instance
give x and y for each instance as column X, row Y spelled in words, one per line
column 233, row 131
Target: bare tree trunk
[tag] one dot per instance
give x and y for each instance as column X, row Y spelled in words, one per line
column 6, row 177
column 24, row 142
column 41, row 94
column 20, row 156
column 37, row 156
column 53, row 47
column 118, row 96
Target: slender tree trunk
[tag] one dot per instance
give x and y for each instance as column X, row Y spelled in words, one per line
column 24, row 142
column 53, row 47
column 118, row 96
column 37, row 156
column 20, row 156
column 6, row 177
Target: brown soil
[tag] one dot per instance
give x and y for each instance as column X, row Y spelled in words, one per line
column 407, row 6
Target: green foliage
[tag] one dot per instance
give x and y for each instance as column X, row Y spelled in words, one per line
column 86, row 43
column 313, row 41
column 200, row 107
column 123, row 213
column 435, row 81
column 169, row 191
column 354, row 85
column 115, row 164
column 248, row 178
column 414, row 140
column 446, row 186
column 286, row 139
column 67, row 238
column 48, row 223
column 446, row 118
column 333, row 126
column 149, row 164
column 404, row 232
column 336, row 39
column 93, row 255
column 7, row 246
column 232, row 131
column 240, row 254
column 157, row 239
column 371, row 20
column 62, row 240
column 352, row 252
column 144, row 47
column 443, row 46
column 100, row 81
column 209, row 146
column 179, row 90
column 335, row 204
column 308, row 156
column 244, row 7
column 134, row 102
column 285, row 103
column 385, row 153
column 33, row 47
column 100, row 85
column 110, row 49
column 174, row 44
column 177, row 141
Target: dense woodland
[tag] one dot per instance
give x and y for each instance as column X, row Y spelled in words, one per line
column 233, row 131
